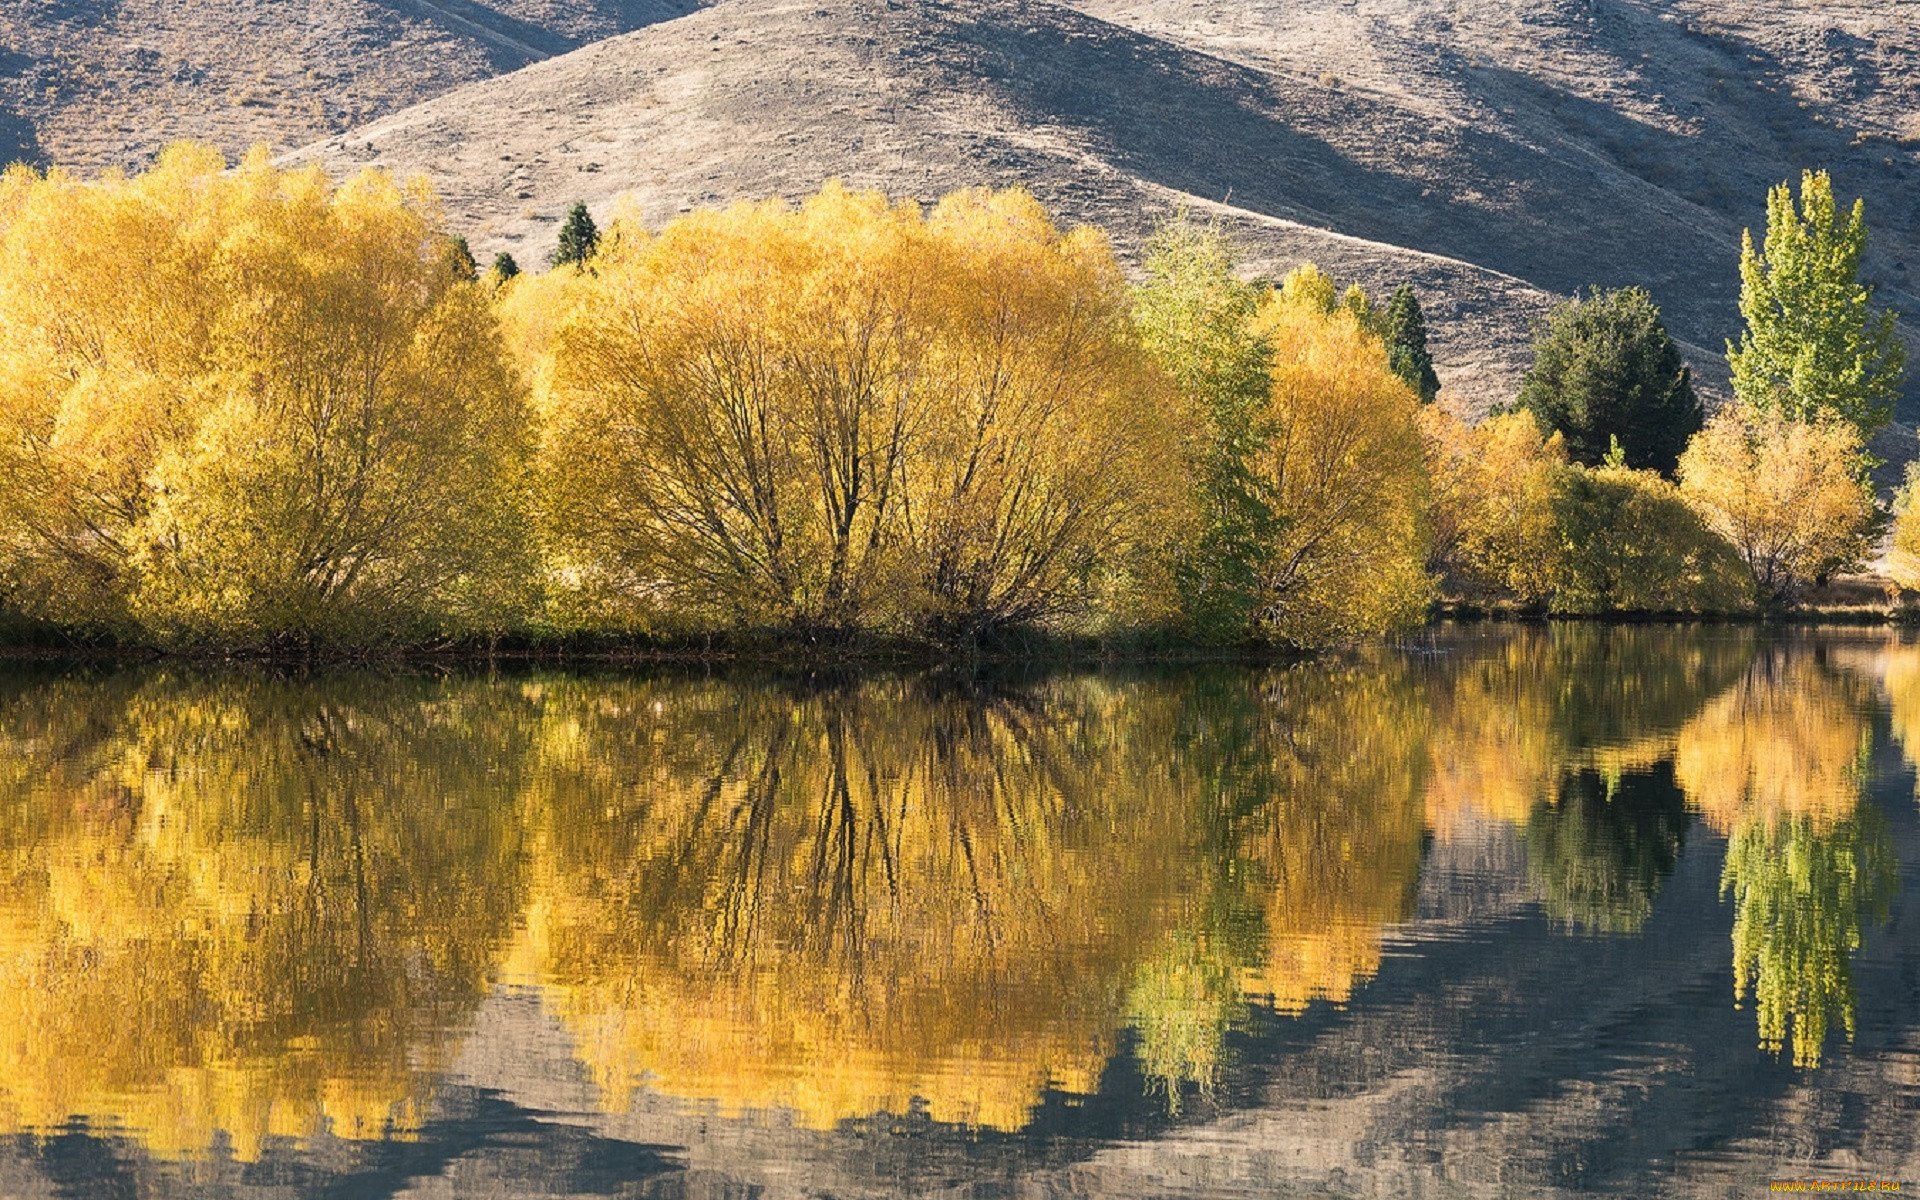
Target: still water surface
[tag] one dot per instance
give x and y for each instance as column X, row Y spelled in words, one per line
column 1512, row 911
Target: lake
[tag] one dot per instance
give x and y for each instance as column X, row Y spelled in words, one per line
column 1506, row 910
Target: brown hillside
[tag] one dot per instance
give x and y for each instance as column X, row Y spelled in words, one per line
column 1491, row 151
column 95, row 83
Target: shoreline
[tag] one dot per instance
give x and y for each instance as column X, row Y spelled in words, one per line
column 523, row 651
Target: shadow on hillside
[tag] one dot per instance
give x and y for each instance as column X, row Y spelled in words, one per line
column 1215, row 129
column 18, row 144
column 510, row 42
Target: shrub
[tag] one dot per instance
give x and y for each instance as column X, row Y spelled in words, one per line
column 1629, row 543
column 1791, row 496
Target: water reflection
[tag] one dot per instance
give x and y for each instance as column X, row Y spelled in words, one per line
column 244, row 912
column 219, row 925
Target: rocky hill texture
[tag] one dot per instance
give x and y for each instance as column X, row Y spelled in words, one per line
column 1495, row 153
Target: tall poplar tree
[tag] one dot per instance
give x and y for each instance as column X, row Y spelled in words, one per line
column 1814, row 341
column 1196, row 320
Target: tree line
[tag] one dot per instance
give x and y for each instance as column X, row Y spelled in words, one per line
column 243, row 406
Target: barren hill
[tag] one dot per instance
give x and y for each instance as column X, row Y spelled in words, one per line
column 1491, row 151
column 95, row 83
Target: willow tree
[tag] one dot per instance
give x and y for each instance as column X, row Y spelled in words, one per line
column 1346, row 472
column 1792, row 496
column 1491, row 508
column 847, row 416
column 1049, row 466
column 246, row 404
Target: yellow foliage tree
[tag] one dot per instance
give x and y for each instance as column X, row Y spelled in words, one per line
column 1345, row 473
column 847, row 415
column 244, row 404
column 1052, row 455
column 1492, row 502
column 1628, row 542
column 1903, row 561
column 1791, row 496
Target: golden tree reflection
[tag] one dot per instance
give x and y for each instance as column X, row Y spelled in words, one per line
column 1777, row 764
column 1789, row 740
column 1337, row 848
column 219, row 923
column 848, row 901
column 1516, row 716
column 239, row 908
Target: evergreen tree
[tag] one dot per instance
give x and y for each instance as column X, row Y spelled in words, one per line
column 1605, row 369
column 579, row 238
column 504, row 266
column 1404, row 329
column 463, row 261
column 1814, row 342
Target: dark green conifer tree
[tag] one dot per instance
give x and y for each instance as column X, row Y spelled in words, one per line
column 1605, row 370
column 579, row 238
column 1404, row 329
column 463, row 261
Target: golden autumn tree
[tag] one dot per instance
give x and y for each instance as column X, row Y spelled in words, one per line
column 848, row 415
column 1050, row 465
column 243, row 405
column 1792, row 496
column 1903, row 561
column 1492, row 502
column 1345, row 473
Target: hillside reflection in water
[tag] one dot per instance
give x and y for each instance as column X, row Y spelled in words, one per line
column 1525, row 909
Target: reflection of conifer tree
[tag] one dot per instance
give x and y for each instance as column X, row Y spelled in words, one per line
column 1599, row 856
column 1802, row 894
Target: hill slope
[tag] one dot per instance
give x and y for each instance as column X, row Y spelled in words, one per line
column 1494, row 152
column 96, row 83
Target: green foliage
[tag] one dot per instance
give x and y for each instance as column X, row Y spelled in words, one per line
column 1404, row 329
column 1598, row 856
column 1814, row 342
column 1605, row 368
column 1629, row 543
column 464, row 264
column 1801, row 897
column 1307, row 285
column 579, row 238
column 504, row 268
column 1195, row 320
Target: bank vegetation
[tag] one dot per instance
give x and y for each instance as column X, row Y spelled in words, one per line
column 243, row 407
